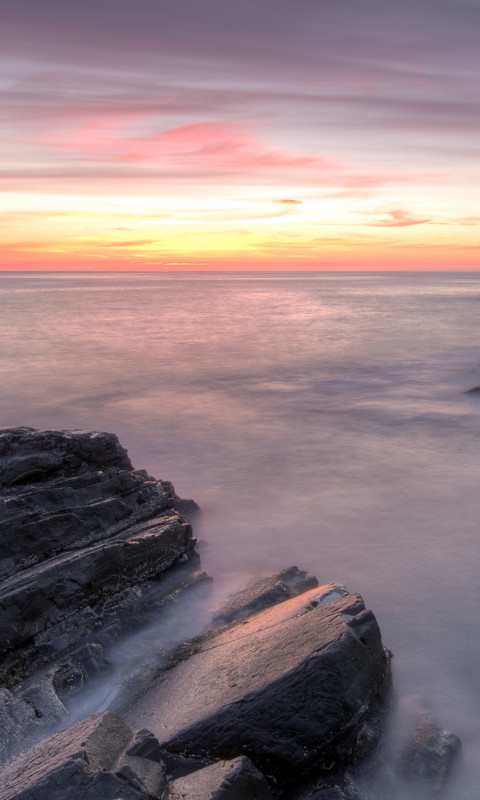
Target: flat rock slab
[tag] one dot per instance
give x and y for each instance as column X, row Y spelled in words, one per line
column 95, row 759
column 225, row 780
column 294, row 687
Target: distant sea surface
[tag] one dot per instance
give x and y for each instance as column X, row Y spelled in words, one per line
column 319, row 419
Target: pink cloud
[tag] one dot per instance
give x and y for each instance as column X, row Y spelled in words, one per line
column 399, row 219
column 205, row 146
column 290, row 202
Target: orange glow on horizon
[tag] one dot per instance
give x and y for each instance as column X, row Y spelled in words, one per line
column 325, row 146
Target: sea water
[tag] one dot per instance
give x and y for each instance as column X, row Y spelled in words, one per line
column 319, row 419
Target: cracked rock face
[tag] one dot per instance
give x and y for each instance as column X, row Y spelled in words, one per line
column 297, row 687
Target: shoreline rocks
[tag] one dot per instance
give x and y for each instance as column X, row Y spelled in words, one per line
column 89, row 549
column 281, row 698
column 96, row 758
column 297, row 688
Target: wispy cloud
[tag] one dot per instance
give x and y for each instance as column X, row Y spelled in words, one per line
column 358, row 115
column 398, row 219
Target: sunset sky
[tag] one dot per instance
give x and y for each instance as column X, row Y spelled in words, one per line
column 258, row 135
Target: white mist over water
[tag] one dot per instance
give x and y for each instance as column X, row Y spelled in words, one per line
column 318, row 419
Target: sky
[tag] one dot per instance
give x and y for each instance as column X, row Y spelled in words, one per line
column 253, row 135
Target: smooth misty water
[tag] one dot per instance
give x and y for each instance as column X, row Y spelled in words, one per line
column 318, row 419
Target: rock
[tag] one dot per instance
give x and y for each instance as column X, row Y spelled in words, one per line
column 89, row 550
column 143, row 758
column 16, row 715
column 429, row 753
column 37, row 601
column 225, row 780
column 264, row 593
column 83, row 664
column 81, row 531
column 337, row 787
column 31, row 456
column 84, row 762
column 297, row 688
column 69, row 511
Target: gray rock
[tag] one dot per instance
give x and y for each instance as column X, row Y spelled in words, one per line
column 33, row 602
column 67, row 512
column 87, row 550
column 28, row 455
column 225, row 780
column 296, row 688
column 264, row 593
column 81, row 533
column 86, row 663
column 337, row 787
column 429, row 753
column 84, row 762
column 16, row 716
column 143, row 757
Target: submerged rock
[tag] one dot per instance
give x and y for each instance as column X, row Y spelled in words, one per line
column 429, row 753
column 297, row 688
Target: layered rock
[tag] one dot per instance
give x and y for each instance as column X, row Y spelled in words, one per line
column 281, row 697
column 86, row 546
column 292, row 693
column 66, row 490
column 297, row 688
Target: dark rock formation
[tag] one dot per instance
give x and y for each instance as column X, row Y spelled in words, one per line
column 264, row 593
column 96, row 759
column 296, row 688
column 31, row 456
column 281, row 697
column 224, row 780
column 87, row 550
column 66, row 490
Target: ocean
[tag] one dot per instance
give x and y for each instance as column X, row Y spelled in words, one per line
column 319, row 419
